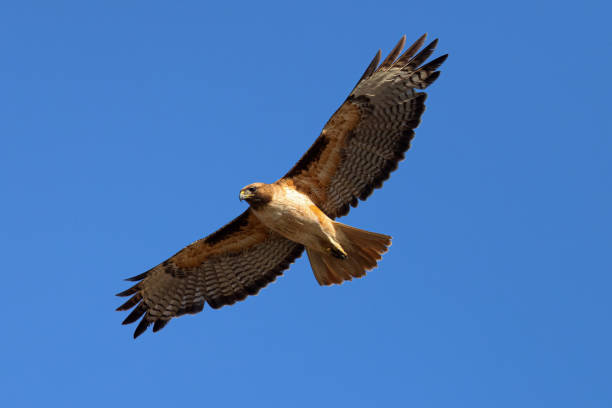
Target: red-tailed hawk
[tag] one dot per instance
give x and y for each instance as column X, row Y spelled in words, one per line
column 358, row 148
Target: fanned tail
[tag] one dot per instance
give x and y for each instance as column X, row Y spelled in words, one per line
column 364, row 250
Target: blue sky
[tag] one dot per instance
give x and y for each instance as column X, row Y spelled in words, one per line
column 128, row 129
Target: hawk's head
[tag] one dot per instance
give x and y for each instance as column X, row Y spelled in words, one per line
column 256, row 194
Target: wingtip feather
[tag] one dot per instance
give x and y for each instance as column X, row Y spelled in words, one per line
column 395, row 52
column 136, row 314
column 159, row 324
column 129, row 291
column 142, row 327
column 133, row 301
column 421, row 56
column 137, row 277
column 410, row 51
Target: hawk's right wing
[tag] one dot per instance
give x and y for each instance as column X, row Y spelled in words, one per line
column 227, row 266
column 364, row 140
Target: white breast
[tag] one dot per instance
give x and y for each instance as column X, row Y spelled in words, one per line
column 291, row 214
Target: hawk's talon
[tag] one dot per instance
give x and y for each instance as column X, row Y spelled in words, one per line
column 337, row 253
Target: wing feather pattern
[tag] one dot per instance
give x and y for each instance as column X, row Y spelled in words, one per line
column 366, row 138
column 355, row 153
column 227, row 266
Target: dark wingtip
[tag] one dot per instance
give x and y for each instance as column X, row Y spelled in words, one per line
column 421, row 56
column 395, row 52
column 159, row 324
column 129, row 291
column 133, row 301
column 419, row 43
column 410, row 51
column 431, row 46
column 142, row 327
column 137, row 277
column 370, row 69
column 429, row 49
column 434, row 64
column 431, row 79
column 431, row 68
column 136, row 314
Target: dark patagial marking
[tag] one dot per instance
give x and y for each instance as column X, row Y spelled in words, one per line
column 224, row 232
column 313, row 154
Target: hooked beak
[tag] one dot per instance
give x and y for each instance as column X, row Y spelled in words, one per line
column 244, row 195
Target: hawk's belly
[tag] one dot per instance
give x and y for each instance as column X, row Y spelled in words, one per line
column 294, row 216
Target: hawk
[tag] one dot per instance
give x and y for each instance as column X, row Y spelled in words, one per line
column 355, row 153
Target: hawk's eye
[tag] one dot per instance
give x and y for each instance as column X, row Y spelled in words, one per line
column 252, row 189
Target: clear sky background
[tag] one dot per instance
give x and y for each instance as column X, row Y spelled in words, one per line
column 128, row 128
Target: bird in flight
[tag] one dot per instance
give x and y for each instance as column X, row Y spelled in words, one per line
column 355, row 153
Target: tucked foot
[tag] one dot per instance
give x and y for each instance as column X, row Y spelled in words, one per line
column 337, row 252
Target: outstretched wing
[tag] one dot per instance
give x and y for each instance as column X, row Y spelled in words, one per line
column 368, row 135
column 227, row 266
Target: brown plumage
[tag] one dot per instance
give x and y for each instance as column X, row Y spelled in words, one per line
column 357, row 150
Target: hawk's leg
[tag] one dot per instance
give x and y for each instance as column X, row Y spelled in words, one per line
column 337, row 252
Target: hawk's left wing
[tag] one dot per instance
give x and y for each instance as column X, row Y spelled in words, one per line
column 227, row 266
column 368, row 135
